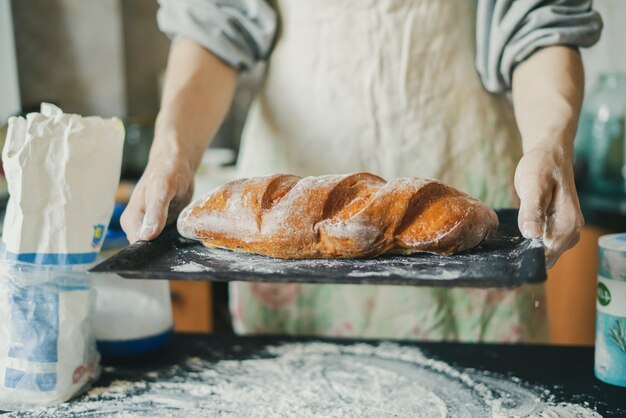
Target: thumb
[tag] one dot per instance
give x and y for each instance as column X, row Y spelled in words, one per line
column 158, row 198
column 534, row 201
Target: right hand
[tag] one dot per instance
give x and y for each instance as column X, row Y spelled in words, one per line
column 164, row 189
column 549, row 207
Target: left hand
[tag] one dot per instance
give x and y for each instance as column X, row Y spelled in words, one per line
column 164, row 189
column 549, row 206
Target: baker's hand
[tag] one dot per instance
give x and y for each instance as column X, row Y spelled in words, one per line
column 162, row 192
column 549, row 206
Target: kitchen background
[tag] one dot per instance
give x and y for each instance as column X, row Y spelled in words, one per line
column 107, row 57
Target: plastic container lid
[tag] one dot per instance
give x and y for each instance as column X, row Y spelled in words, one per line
column 612, row 256
column 614, row 242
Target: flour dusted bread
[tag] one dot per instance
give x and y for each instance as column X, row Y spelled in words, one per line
column 337, row 216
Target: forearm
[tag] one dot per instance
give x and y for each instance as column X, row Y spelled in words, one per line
column 547, row 95
column 197, row 93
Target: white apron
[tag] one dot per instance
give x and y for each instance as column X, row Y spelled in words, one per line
column 386, row 86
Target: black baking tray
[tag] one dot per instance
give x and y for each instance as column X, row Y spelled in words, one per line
column 504, row 260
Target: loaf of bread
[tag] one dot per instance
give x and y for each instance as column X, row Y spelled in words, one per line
column 337, row 216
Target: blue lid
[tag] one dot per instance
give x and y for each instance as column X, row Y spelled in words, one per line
column 115, row 236
column 135, row 347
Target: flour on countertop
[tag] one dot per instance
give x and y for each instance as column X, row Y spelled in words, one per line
column 319, row 379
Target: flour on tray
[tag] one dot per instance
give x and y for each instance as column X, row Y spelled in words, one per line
column 190, row 267
column 320, row 379
column 235, row 262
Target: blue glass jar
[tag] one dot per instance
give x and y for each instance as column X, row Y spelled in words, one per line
column 600, row 152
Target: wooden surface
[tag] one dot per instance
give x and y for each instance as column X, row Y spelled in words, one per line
column 192, row 306
column 571, row 292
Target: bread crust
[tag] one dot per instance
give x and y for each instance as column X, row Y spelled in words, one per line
column 337, row 216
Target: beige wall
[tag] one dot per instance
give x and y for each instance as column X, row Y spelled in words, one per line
column 145, row 53
column 102, row 57
column 71, row 52
column 609, row 54
column 9, row 92
column 91, row 57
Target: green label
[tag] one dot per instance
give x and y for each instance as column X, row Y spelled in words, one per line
column 604, row 296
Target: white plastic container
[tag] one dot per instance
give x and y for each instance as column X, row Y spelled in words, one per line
column 132, row 317
column 610, row 354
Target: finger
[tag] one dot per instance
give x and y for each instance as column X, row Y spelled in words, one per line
column 178, row 203
column 535, row 196
column 133, row 214
column 131, row 222
column 555, row 247
column 159, row 194
column 563, row 228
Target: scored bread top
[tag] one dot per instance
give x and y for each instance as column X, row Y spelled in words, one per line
column 337, row 216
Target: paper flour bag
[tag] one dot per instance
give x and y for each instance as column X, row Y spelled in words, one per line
column 62, row 172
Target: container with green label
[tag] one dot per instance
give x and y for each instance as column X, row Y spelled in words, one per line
column 610, row 359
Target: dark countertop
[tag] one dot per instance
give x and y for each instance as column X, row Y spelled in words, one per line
column 567, row 372
column 605, row 212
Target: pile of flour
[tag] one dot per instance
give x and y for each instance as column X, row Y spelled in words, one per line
column 319, row 379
